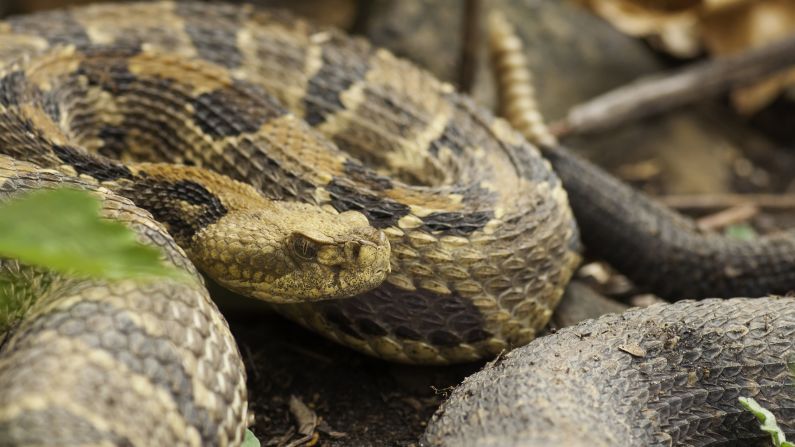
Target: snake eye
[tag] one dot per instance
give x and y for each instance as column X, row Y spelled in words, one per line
column 304, row 248
column 353, row 250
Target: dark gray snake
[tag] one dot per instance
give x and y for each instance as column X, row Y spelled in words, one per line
column 669, row 374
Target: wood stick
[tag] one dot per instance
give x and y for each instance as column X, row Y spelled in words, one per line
column 653, row 95
column 729, row 216
column 722, row 201
column 470, row 37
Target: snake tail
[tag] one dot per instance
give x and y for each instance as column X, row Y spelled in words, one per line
column 659, row 249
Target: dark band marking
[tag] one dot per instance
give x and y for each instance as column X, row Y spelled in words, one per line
column 28, row 144
column 110, row 74
column 138, row 139
column 101, row 168
column 196, row 194
column 381, row 212
column 124, row 47
column 344, row 63
column 12, row 87
column 444, row 338
column 162, row 198
column 452, row 137
column 235, row 111
column 213, row 30
column 113, row 141
column 399, row 123
column 15, row 90
column 51, row 104
column 57, row 27
column 217, row 45
column 407, row 333
column 371, row 328
column 249, row 162
column 162, row 140
column 361, row 174
column 447, row 320
column 339, row 320
column 215, row 40
column 454, row 223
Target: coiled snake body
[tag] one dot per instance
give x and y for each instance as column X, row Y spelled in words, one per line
column 476, row 220
column 366, row 146
column 115, row 363
column 482, row 241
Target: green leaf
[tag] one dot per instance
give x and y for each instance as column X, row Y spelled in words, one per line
column 743, row 232
column 62, row 230
column 768, row 422
column 250, row 440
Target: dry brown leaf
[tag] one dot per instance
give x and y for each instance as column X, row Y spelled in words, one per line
column 722, row 27
column 748, row 25
column 672, row 22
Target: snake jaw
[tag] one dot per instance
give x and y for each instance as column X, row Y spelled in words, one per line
column 339, row 270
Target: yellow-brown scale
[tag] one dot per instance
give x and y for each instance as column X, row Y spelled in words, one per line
column 97, row 362
column 273, row 250
column 481, row 235
column 517, row 95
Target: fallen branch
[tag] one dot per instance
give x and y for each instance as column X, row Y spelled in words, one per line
column 650, row 96
column 730, row 216
column 470, row 38
column 722, row 201
column 306, row 422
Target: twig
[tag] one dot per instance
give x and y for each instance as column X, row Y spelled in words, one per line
column 305, row 418
column 470, row 38
column 730, row 216
column 656, row 94
column 306, row 422
column 723, row 201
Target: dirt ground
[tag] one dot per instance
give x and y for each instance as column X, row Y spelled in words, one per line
column 705, row 149
column 361, row 400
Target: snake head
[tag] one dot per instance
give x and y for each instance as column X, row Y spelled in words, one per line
column 291, row 252
column 335, row 260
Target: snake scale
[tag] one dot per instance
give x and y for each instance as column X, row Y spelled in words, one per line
column 669, row 374
column 116, row 363
column 391, row 177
